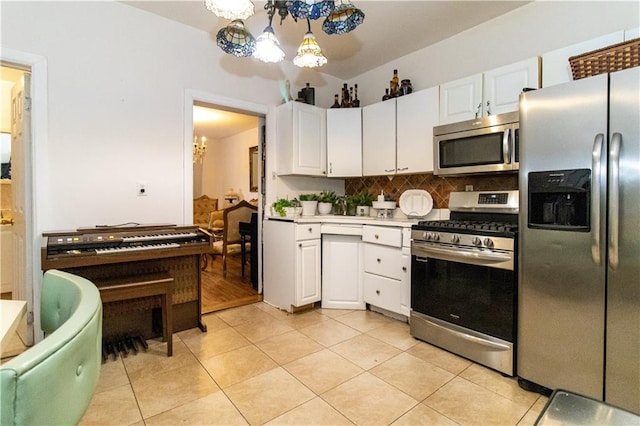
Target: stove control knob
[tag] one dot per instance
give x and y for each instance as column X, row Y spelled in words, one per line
column 435, row 236
column 425, row 235
column 476, row 241
column 455, row 239
column 488, row 242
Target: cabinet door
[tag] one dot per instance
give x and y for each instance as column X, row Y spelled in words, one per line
column 310, row 141
column 379, row 139
column 461, row 99
column 344, row 142
column 416, row 115
column 342, row 272
column 502, row 86
column 405, row 282
column 308, row 272
column 555, row 64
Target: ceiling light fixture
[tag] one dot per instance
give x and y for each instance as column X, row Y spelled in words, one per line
column 341, row 16
column 199, row 149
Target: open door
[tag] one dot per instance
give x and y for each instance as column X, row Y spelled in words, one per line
column 21, row 203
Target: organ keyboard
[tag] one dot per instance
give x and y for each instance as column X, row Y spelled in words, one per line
column 96, row 246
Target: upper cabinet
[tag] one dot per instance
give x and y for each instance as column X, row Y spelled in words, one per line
column 397, row 134
column 493, row 92
column 344, row 142
column 555, row 64
column 301, row 139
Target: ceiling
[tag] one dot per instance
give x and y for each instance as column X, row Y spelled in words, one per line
column 391, row 29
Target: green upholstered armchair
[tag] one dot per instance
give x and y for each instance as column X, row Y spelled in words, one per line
column 52, row 382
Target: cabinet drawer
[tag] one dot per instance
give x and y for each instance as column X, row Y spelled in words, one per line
column 307, row 231
column 385, row 261
column 388, row 236
column 382, row 292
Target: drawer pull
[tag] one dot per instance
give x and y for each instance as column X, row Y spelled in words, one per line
column 310, row 229
column 378, row 259
column 300, row 245
column 404, row 268
column 378, row 292
column 376, row 236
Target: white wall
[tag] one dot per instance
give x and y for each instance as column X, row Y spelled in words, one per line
column 528, row 31
column 226, row 165
column 117, row 78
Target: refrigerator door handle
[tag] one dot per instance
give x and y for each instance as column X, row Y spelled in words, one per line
column 506, row 146
column 614, row 199
column 596, row 161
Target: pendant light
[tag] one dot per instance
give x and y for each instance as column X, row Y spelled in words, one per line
column 344, row 18
column 236, row 40
column 267, row 45
column 309, row 53
column 231, row 9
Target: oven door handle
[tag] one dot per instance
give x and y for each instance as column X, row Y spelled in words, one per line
column 469, row 337
column 462, row 255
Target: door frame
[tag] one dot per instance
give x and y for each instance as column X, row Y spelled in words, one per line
column 239, row 106
column 36, row 192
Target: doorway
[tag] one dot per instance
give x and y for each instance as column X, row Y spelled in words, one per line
column 226, row 144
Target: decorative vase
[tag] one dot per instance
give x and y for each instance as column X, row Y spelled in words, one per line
column 324, row 208
column 309, row 208
column 292, row 212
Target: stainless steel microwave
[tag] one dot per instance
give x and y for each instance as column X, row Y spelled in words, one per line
column 488, row 144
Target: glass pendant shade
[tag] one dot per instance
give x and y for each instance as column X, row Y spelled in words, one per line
column 231, row 9
column 235, row 40
column 309, row 53
column 268, row 47
column 344, row 18
column 310, row 9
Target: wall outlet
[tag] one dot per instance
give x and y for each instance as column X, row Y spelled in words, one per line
column 142, row 188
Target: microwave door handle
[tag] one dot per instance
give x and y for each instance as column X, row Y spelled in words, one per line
column 596, row 162
column 506, row 146
column 614, row 199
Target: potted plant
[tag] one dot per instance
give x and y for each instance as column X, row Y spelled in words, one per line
column 285, row 207
column 326, row 200
column 309, row 203
column 363, row 201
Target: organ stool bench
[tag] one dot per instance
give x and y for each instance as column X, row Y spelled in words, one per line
column 136, row 286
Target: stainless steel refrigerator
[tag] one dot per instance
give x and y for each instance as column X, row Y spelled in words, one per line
column 579, row 269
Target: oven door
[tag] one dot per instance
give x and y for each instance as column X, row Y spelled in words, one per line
column 475, row 291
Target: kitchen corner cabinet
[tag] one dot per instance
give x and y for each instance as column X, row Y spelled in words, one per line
column 387, row 269
column 301, row 142
column 493, row 92
column 291, row 263
column 344, row 142
column 397, row 134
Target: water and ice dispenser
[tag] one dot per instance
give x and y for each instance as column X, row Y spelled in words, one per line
column 560, row 200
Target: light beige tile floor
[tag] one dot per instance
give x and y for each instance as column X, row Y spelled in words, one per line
column 258, row 365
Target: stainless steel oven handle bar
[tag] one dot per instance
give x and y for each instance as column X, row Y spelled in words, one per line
column 506, row 146
column 596, row 160
column 455, row 254
column 474, row 339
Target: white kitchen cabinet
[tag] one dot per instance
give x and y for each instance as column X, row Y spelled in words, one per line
column 301, row 147
column 555, row 64
column 631, row 33
column 342, row 269
column 379, row 138
column 387, row 269
column 416, row 115
column 461, row 99
column 292, row 262
column 344, row 142
column 493, row 92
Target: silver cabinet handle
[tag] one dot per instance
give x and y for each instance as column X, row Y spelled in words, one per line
column 596, row 181
column 506, row 146
column 614, row 199
column 478, row 110
column 488, row 108
column 400, row 169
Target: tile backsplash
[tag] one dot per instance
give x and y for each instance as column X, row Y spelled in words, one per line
column 438, row 186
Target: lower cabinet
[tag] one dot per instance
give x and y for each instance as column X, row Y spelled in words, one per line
column 292, row 259
column 387, row 269
column 342, row 279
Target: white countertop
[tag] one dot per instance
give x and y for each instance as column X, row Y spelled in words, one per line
column 399, row 219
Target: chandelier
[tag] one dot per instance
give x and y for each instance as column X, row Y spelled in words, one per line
column 199, row 149
column 341, row 16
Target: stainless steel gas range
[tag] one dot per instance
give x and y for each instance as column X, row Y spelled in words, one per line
column 464, row 278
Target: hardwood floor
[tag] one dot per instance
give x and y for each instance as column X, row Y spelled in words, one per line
column 221, row 293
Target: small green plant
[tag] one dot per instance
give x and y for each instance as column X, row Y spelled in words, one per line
column 328, row 197
column 280, row 204
column 363, row 198
column 309, row 197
